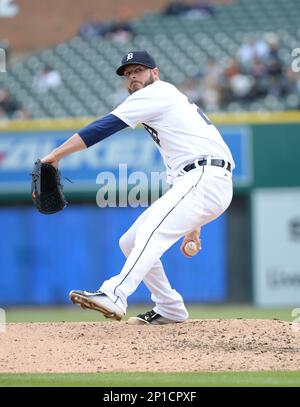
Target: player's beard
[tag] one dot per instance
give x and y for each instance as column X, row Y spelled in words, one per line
column 148, row 82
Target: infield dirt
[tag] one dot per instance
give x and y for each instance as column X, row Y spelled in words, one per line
column 197, row 345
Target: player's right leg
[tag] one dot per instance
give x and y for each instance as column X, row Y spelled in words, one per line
column 169, row 305
column 97, row 301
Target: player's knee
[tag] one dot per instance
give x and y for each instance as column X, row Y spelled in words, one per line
column 146, row 236
column 125, row 244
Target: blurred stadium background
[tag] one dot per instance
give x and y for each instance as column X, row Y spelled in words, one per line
column 237, row 59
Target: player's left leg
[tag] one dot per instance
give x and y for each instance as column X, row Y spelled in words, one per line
column 168, row 302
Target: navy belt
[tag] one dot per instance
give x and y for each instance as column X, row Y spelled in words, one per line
column 214, row 161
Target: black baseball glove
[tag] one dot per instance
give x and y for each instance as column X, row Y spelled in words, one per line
column 46, row 189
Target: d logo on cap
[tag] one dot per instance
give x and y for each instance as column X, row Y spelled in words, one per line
column 129, row 56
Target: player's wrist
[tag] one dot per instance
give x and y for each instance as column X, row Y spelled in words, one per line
column 57, row 154
column 194, row 235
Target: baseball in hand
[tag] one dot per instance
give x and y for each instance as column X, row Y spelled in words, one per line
column 190, row 248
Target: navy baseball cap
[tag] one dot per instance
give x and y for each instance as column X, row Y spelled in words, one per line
column 137, row 58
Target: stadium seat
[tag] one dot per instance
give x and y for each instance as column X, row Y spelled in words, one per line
column 87, row 67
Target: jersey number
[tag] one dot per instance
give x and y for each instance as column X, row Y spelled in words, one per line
column 153, row 133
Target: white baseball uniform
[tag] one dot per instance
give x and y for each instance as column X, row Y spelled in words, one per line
column 183, row 135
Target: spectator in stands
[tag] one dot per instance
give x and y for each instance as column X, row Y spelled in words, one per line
column 210, row 89
column 191, row 88
column 258, row 71
column 275, row 69
column 261, row 49
column 120, row 30
column 200, row 9
column 241, row 86
column 273, row 62
column 10, row 108
column 211, row 96
column 8, row 104
column 238, row 85
column 252, row 49
column 258, row 68
column 92, row 28
column 292, row 82
column 176, row 8
column 264, row 75
column 232, row 68
column 5, row 45
column 47, row 79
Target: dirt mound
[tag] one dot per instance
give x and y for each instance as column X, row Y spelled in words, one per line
column 196, row 345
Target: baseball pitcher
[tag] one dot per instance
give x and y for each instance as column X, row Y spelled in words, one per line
column 199, row 166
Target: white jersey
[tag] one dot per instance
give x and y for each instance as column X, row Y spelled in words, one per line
column 181, row 131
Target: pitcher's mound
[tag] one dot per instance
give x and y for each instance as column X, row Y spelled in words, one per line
column 239, row 344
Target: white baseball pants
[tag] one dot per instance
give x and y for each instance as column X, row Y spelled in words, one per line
column 195, row 199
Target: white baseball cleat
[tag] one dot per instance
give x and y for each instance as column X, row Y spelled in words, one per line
column 97, row 301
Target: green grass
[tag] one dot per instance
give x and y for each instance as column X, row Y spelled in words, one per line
column 75, row 314
column 180, row 379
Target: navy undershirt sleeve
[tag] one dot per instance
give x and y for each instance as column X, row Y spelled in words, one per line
column 100, row 129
